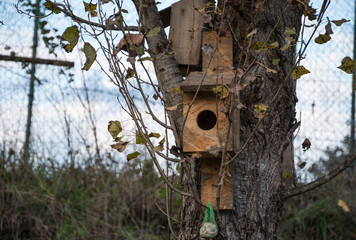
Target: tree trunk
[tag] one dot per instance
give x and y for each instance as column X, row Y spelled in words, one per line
column 257, row 176
column 257, row 170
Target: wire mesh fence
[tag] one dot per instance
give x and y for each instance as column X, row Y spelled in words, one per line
column 60, row 130
column 324, row 95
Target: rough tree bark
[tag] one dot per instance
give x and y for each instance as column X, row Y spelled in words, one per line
column 257, row 179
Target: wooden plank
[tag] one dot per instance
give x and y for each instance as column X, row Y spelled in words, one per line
column 194, row 79
column 37, row 60
column 197, row 139
column 186, row 31
column 209, row 180
column 223, row 56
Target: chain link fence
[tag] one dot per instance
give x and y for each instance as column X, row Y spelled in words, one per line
column 324, row 106
column 63, row 123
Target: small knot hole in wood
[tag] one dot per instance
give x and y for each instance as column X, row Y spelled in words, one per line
column 206, row 119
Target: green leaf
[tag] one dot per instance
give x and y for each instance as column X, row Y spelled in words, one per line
column 124, row 10
column 140, row 50
column 287, row 175
column 348, row 65
column 162, row 193
column 145, row 59
column 132, row 155
column 340, row 22
column 130, row 73
column 90, row 7
column 285, row 47
column 71, row 35
column 258, row 46
column 322, row 38
column 273, row 45
column 154, row 31
column 276, row 61
column 299, row 71
column 178, row 202
column 114, row 128
column 139, row 140
column 90, row 55
column 52, row 7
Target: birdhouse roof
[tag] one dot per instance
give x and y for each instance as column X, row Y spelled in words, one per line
column 207, row 82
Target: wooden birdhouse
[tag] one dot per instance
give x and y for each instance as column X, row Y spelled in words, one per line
column 206, row 126
column 208, row 58
column 205, row 129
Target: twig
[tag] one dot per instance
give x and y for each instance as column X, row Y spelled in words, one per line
column 317, row 183
column 81, row 20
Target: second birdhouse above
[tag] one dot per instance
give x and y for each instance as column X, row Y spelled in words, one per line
column 206, row 124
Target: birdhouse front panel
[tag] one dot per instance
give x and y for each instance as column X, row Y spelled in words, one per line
column 206, row 124
column 209, row 180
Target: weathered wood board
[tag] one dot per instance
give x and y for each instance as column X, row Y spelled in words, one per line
column 223, row 56
column 200, row 131
column 194, row 79
column 209, row 180
column 186, row 31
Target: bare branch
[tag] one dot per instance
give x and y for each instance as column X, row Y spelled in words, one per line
column 81, row 20
column 324, row 179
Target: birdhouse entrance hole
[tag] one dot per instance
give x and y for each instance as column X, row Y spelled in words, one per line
column 206, row 119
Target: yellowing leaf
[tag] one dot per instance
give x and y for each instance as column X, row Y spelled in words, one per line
column 267, row 68
column 156, row 135
column 120, row 146
column 348, row 65
column 322, row 38
column 287, row 175
column 258, row 46
column 52, row 7
column 114, row 128
column 177, row 90
column 90, row 55
column 90, row 7
column 172, row 108
column 71, row 35
column 340, row 22
column 153, row 32
column 160, row 147
column 252, row 33
column 130, row 73
column 196, row 155
column 276, row 61
column 299, row 71
column 290, row 31
column 343, row 205
column 132, row 155
column 285, row 47
column 273, row 45
column 260, row 110
column 139, row 140
column 222, row 91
